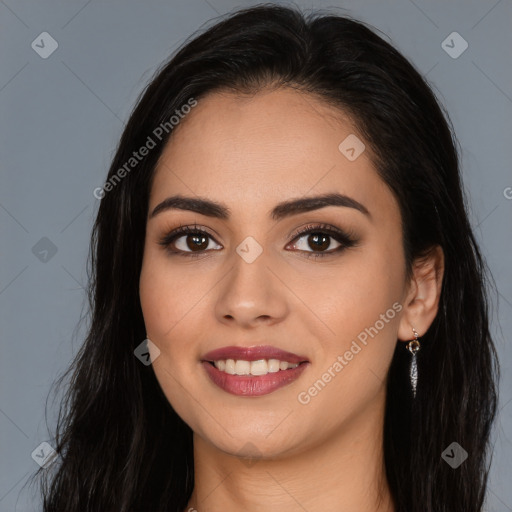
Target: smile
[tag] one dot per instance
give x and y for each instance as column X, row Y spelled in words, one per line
column 259, row 367
column 249, row 384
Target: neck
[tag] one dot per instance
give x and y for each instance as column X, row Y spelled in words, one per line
column 345, row 472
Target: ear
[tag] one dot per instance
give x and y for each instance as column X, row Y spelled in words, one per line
column 421, row 302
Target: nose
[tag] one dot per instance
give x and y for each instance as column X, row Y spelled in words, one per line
column 251, row 294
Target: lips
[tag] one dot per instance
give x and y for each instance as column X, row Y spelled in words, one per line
column 253, row 385
column 253, row 354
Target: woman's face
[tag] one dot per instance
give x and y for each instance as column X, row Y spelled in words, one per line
column 250, row 280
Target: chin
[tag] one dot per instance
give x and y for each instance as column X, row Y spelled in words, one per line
column 253, row 443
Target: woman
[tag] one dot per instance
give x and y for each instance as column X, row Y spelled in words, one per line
column 284, row 237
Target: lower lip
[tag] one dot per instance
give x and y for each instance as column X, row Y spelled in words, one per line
column 253, row 385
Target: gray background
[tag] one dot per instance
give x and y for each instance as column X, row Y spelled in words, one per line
column 61, row 119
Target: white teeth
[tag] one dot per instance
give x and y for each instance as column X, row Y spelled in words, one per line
column 273, row 365
column 242, row 367
column 230, row 367
column 259, row 367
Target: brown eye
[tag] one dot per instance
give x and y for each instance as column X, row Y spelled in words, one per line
column 187, row 240
column 316, row 242
column 199, row 242
column 320, row 238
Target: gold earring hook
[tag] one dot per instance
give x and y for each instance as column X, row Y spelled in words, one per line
column 414, row 345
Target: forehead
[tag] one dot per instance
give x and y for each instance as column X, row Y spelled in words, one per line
column 261, row 149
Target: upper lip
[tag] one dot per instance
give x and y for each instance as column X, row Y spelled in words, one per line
column 253, row 354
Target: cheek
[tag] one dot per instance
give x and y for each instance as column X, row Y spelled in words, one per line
column 161, row 297
column 172, row 310
column 173, row 305
column 154, row 296
column 161, row 292
column 361, row 306
column 355, row 294
column 166, row 307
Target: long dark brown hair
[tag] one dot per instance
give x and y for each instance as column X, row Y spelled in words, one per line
column 120, row 445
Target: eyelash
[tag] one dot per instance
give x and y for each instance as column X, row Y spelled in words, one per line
column 346, row 239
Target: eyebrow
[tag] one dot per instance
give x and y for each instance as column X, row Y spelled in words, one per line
column 285, row 209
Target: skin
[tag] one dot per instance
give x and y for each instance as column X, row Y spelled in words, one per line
column 272, row 452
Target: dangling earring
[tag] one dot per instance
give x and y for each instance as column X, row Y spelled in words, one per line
column 413, row 346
